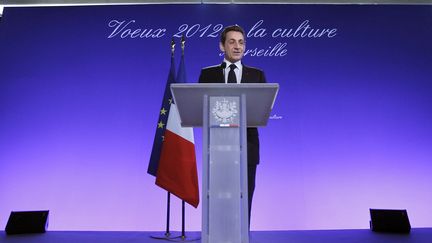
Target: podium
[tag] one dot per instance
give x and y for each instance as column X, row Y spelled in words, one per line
column 224, row 111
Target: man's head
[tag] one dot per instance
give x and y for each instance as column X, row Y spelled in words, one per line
column 233, row 43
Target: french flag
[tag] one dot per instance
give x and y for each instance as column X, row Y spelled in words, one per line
column 177, row 171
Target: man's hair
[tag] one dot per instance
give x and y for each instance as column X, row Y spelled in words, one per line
column 228, row 29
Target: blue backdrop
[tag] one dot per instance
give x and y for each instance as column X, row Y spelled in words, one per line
column 80, row 90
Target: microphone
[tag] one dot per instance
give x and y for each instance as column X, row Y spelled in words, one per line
column 223, row 66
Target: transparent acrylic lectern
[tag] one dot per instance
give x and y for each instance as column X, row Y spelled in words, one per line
column 224, row 111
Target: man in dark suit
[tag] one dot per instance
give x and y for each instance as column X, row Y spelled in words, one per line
column 232, row 70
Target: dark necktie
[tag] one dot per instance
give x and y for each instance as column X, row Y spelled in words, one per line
column 231, row 75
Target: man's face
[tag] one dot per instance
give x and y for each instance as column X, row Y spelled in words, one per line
column 234, row 46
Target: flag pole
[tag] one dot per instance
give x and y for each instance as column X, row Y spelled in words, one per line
column 183, row 235
column 167, row 231
column 167, row 235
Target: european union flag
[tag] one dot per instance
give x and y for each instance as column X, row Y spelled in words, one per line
column 162, row 122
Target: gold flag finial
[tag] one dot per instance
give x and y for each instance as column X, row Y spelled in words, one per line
column 183, row 41
column 172, row 46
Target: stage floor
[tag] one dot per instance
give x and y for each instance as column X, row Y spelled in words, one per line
column 418, row 235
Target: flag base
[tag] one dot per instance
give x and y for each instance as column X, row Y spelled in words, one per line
column 177, row 237
column 164, row 236
column 191, row 237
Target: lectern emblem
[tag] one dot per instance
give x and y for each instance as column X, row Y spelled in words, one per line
column 225, row 111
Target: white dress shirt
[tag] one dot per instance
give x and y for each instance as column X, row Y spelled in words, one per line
column 238, row 71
